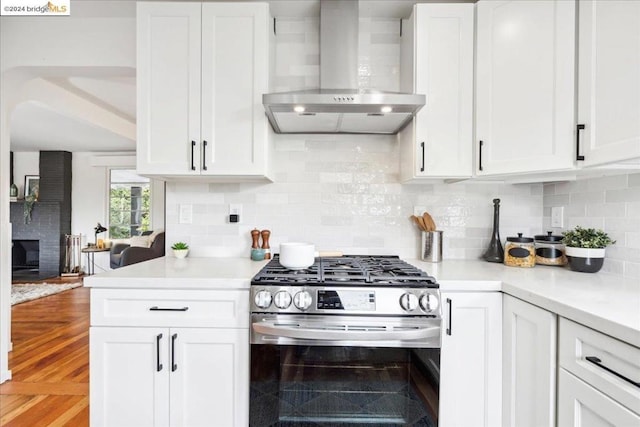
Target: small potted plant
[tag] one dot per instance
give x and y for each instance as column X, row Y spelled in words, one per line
column 585, row 248
column 180, row 249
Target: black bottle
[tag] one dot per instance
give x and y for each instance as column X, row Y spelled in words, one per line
column 495, row 252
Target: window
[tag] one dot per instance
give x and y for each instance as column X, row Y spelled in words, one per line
column 129, row 204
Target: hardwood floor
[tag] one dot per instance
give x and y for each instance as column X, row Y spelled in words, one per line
column 49, row 362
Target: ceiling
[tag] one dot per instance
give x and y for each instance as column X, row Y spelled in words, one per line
column 38, row 126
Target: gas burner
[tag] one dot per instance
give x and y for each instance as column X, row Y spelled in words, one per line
column 353, row 270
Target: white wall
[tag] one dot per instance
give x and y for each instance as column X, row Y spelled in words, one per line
column 609, row 203
column 24, row 163
column 97, row 39
column 89, row 201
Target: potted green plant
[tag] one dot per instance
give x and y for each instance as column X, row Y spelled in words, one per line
column 180, row 249
column 585, row 248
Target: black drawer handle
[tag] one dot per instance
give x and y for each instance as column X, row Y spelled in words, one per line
column 156, row 308
column 174, row 366
column 450, row 303
column 578, row 129
column 158, row 364
column 480, row 156
column 422, row 145
column 596, row 361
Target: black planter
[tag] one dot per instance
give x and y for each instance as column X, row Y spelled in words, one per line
column 585, row 265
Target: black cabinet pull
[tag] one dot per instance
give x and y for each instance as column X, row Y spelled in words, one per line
column 204, row 155
column 450, row 303
column 174, row 367
column 158, row 364
column 578, row 129
column 156, row 308
column 480, row 156
column 193, row 146
column 422, row 145
column 596, row 361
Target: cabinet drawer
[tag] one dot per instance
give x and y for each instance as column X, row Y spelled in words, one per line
column 164, row 307
column 580, row 405
column 578, row 344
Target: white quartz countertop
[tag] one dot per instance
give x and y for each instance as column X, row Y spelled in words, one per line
column 608, row 303
column 187, row 273
column 605, row 302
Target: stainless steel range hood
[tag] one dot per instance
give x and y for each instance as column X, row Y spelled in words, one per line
column 338, row 106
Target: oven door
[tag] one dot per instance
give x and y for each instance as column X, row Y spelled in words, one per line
column 350, row 374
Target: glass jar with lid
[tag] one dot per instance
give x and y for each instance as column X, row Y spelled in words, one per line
column 550, row 250
column 520, row 252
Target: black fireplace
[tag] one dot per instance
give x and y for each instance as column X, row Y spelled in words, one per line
column 25, row 255
column 43, row 254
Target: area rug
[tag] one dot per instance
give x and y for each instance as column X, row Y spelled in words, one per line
column 29, row 291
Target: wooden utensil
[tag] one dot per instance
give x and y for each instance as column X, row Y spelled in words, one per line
column 418, row 222
column 430, row 224
column 423, row 225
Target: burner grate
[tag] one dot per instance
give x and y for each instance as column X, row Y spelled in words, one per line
column 353, row 270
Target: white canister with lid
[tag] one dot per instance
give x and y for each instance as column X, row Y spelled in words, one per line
column 550, row 250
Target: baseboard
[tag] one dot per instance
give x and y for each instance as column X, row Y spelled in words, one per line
column 5, row 376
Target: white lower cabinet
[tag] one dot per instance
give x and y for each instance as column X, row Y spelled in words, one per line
column 209, row 377
column 128, row 385
column 471, row 359
column 598, row 380
column 529, row 370
column 581, row 405
column 160, row 375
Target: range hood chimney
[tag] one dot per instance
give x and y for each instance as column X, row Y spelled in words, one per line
column 339, row 106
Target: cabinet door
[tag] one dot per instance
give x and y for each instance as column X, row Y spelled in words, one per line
column 129, row 376
column 471, row 360
column 580, row 405
column 525, row 86
column 234, row 77
column 609, row 80
column 439, row 142
column 209, row 377
column 168, row 88
column 529, row 373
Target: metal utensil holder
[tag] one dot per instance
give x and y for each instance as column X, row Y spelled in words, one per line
column 431, row 246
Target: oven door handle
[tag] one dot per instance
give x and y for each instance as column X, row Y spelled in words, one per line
column 353, row 333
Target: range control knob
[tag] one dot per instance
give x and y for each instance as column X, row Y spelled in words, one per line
column 302, row 300
column 409, row 302
column 262, row 299
column 429, row 302
column 282, row 299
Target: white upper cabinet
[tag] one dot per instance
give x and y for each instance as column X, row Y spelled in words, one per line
column 202, row 70
column 235, row 64
column 168, row 88
column 437, row 60
column 525, row 77
column 609, row 81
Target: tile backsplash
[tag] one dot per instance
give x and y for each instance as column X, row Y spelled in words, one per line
column 610, row 203
column 342, row 192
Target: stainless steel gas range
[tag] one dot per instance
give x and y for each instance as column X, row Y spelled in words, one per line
column 351, row 340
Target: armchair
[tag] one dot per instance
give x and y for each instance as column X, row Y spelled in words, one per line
column 122, row 254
